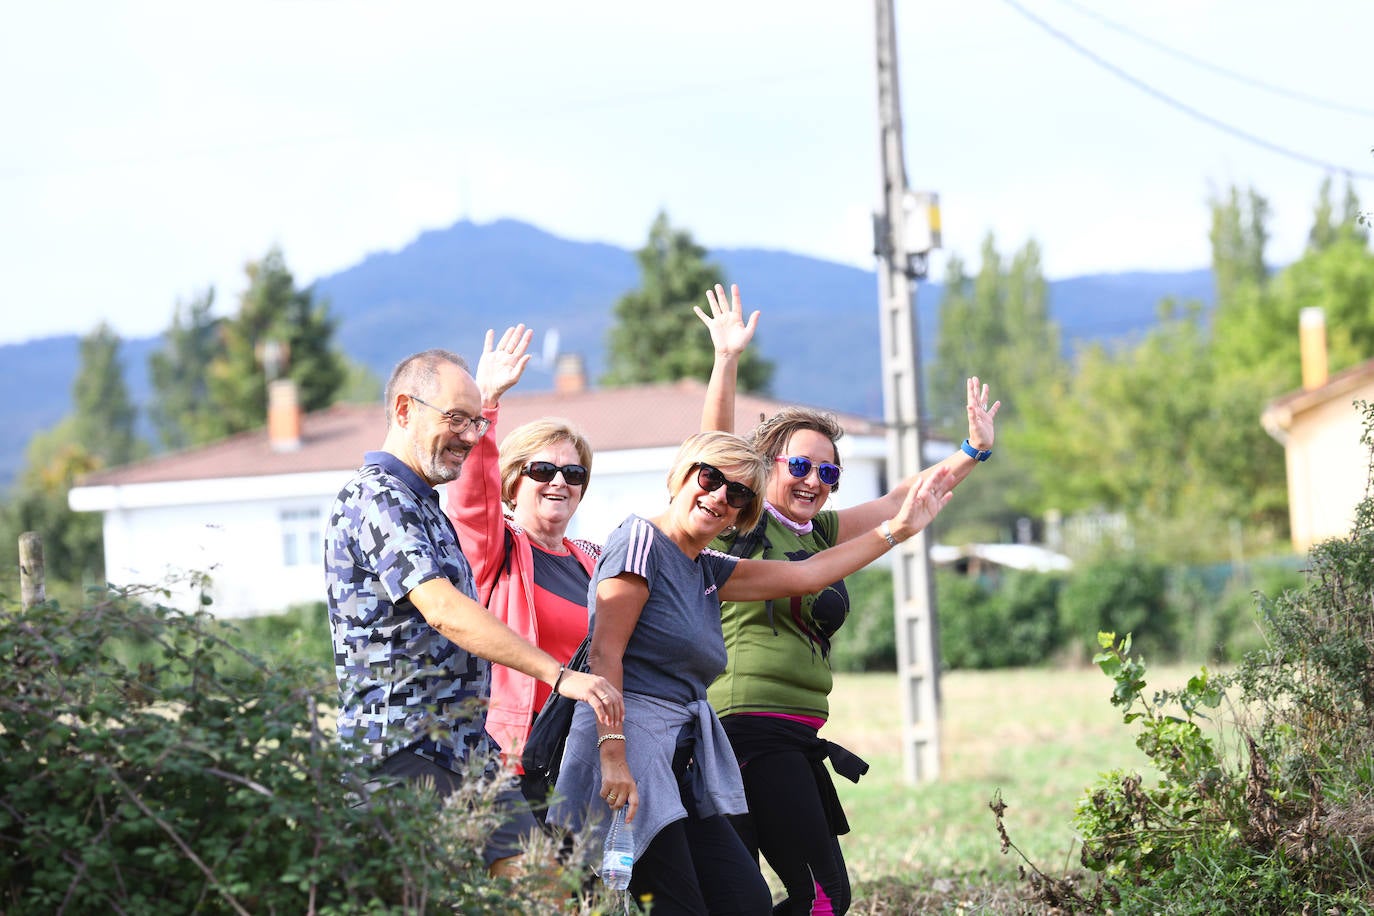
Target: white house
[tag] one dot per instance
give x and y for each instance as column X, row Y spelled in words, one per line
column 249, row 511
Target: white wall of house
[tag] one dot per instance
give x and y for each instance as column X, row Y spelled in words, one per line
column 1327, row 470
column 258, row 540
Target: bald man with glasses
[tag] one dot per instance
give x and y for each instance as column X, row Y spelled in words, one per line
column 412, row 646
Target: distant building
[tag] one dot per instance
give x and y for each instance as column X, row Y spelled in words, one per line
column 249, row 511
column 1320, row 429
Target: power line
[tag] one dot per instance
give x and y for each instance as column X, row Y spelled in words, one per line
column 1242, row 78
column 1183, row 106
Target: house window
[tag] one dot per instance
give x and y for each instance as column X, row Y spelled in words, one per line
column 301, row 537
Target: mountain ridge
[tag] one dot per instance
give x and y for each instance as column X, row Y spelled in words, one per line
column 447, row 286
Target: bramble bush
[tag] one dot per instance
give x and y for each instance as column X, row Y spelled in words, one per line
column 149, row 766
column 1274, row 814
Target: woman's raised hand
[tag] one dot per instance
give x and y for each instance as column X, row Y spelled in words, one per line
column 730, row 333
column 502, row 364
column 980, row 415
column 923, row 502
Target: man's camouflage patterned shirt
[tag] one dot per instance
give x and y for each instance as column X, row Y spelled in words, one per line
column 401, row 683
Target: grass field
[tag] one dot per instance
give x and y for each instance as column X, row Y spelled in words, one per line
column 1039, row 736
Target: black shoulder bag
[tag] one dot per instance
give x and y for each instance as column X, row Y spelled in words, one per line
column 543, row 752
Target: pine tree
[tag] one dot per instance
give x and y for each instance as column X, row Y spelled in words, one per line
column 657, row 337
column 996, row 326
column 272, row 312
column 103, row 413
column 180, row 374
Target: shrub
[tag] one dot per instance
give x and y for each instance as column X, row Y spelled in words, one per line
column 179, row 774
column 967, row 625
column 1123, row 595
column 1279, row 820
column 1015, row 623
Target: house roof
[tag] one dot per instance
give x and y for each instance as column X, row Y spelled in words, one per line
column 1278, row 416
column 613, row 419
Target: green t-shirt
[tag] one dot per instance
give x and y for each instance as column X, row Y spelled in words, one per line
column 779, row 662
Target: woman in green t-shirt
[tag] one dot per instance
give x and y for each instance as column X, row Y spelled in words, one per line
column 773, row 697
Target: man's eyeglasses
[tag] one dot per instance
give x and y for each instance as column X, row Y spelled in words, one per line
column 458, row 423
column 574, row 475
column 710, row 479
column 799, row 467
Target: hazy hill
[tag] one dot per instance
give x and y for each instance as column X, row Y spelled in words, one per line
column 448, row 286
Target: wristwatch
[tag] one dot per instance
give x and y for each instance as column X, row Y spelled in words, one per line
column 975, row 453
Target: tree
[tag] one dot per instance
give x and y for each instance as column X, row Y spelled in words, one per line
column 1326, row 229
column 72, row 543
column 181, row 410
column 104, row 414
column 1149, row 431
column 98, row 433
column 1239, row 234
column 360, row 385
column 997, row 326
column 272, row 311
column 656, row 337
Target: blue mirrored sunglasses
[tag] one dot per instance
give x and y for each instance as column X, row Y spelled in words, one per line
column 799, row 467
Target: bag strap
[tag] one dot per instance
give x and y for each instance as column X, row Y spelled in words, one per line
column 578, row 662
column 502, row 569
column 743, row 547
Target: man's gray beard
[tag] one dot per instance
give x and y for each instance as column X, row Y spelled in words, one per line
column 437, row 470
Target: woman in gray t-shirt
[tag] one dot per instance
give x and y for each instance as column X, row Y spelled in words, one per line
column 655, row 625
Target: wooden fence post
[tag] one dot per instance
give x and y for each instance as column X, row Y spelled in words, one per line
column 32, row 587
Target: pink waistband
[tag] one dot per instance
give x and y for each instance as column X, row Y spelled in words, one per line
column 810, row 721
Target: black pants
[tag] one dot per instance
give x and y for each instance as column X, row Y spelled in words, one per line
column 699, row 866
column 787, row 823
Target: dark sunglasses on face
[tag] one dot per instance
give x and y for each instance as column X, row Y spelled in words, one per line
column 799, row 467
column 574, row 475
column 710, row 479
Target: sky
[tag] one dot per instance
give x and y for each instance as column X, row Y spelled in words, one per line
column 153, row 149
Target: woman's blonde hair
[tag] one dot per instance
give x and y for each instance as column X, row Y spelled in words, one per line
column 524, row 442
column 723, row 450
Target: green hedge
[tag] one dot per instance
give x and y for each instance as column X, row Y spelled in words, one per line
column 148, row 765
column 1024, row 618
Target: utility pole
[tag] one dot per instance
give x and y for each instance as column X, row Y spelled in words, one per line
column 905, row 231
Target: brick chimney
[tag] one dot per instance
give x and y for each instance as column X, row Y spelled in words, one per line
column 1312, row 344
column 283, row 415
column 570, row 374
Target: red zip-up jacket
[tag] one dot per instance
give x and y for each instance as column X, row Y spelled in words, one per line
column 473, row 504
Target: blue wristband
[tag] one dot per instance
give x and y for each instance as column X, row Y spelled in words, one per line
column 976, row 454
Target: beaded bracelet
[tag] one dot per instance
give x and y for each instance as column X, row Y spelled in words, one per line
column 604, row 738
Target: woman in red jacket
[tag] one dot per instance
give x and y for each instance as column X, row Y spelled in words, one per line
column 529, row 573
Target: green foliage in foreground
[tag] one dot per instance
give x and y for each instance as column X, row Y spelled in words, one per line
column 148, row 767
column 1280, row 821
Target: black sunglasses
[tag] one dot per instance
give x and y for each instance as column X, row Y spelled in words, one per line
column 710, row 479
column 574, row 475
column 799, row 467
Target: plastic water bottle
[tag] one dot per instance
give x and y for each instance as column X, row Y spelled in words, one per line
column 618, row 858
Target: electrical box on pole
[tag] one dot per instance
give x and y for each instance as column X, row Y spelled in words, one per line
column 905, row 231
